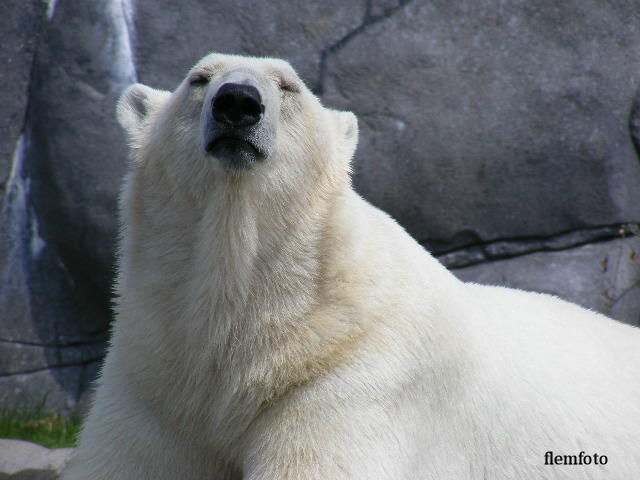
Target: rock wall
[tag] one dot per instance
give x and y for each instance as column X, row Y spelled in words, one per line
column 502, row 134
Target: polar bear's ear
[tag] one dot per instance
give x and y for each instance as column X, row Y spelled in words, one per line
column 135, row 105
column 348, row 126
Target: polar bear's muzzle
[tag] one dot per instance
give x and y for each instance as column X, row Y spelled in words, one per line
column 234, row 130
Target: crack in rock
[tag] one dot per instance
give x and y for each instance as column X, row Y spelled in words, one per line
column 370, row 18
column 48, row 345
column 509, row 248
column 53, row 367
column 615, row 300
column 634, row 123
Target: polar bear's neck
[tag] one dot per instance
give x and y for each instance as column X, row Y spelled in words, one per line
column 231, row 286
column 221, row 261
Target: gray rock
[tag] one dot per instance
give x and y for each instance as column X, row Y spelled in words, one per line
column 494, row 120
column 602, row 276
column 20, row 25
column 18, row 455
column 75, row 161
column 59, row 221
column 52, row 388
column 171, row 36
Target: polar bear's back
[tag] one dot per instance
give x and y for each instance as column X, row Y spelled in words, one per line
column 544, row 323
column 566, row 377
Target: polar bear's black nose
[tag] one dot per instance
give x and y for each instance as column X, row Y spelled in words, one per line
column 237, row 105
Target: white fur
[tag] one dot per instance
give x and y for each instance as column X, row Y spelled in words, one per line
column 271, row 324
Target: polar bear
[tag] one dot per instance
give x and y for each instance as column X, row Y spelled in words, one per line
column 272, row 324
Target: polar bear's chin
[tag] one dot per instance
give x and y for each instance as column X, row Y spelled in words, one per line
column 234, row 153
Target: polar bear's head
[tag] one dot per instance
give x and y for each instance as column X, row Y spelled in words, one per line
column 240, row 117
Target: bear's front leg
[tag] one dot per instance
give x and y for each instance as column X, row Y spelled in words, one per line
column 121, row 441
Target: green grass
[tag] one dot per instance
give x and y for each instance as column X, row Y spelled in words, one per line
column 46, row 428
